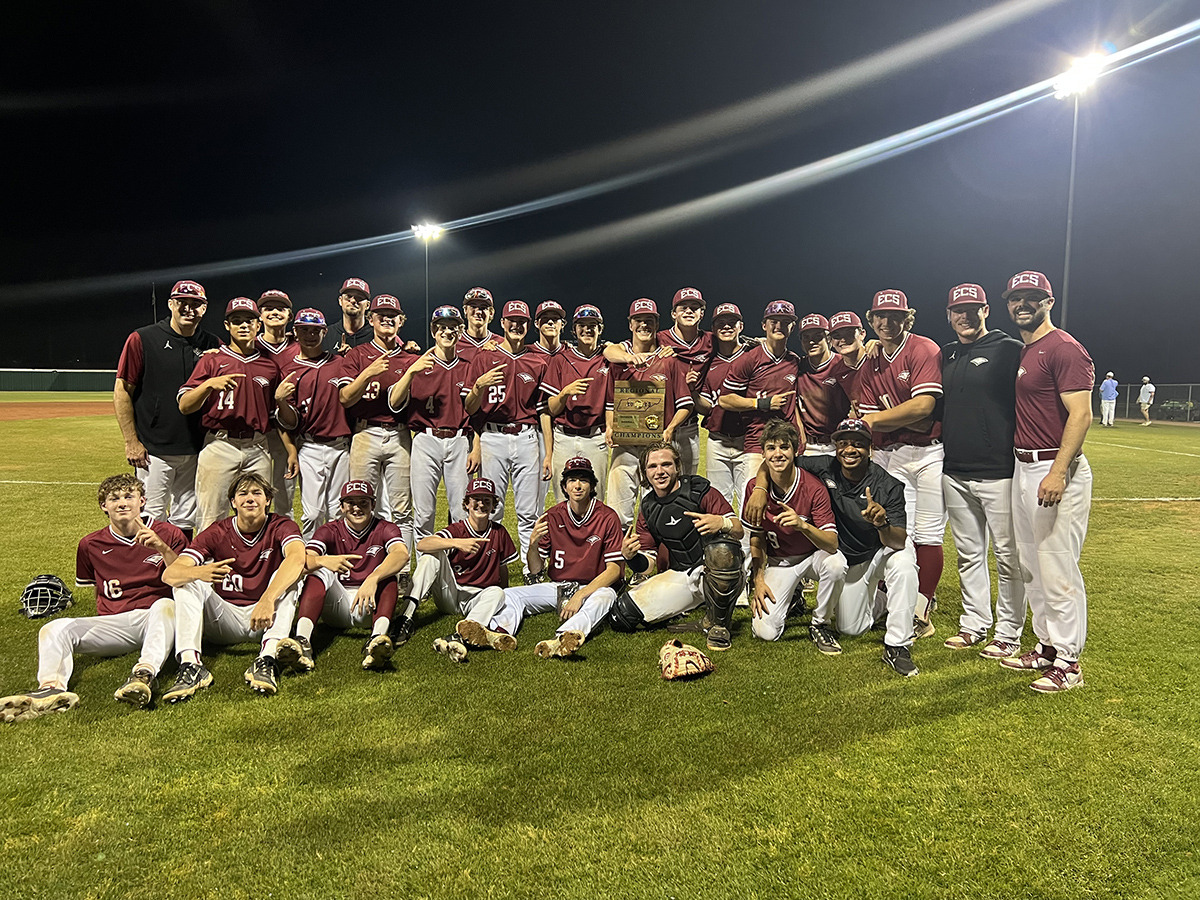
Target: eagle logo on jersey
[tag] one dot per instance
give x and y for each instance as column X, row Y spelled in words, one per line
column 373, row 550
column 903, row 376
column 791, row 379
column 1020, row 371
column 593, row 539
column 525, row 376
column 154, row 559
column 662, row 379
column 264, row 382
column 979, row 361
column 830, row 382
column 266, row 554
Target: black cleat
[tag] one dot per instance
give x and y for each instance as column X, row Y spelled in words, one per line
column 191, row 678
column 263, row 675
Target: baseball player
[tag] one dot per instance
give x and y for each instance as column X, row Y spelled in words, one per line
column 323, row 432
column 690, row 532
column 549, row 319
column 979, row 373
column 576, row 388
column 160, row 442
column 429, row 394
column 822, row 385
column 381, row 449
column 647, row 361
column 578, row 543
column 479, row 309
column 235, row 392
column 353, row 563
column 869, row 511
column 1108, row 400
column 352, row 328
column 1052, row 484
column 900, row 388
column 124, row 562
column 846, row 335
column 502, row 387
column 465, row 565
column 796, row 538
column 239, row 579
column 1146, row 398
column 274, row 342
column 726, row 465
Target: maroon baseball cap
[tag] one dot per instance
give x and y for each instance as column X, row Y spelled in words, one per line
column 357, row 285
column 481, row 487
column 386, row 303
column 779, row 309
column 643, row 306
column 550, row 308
column 516, row 309
column 579, row 464
column 724, row 310
column 188, row 290
column 274, row 296
column 587, row 311
column 966, row 295
column 852, row 426
column 309, row 316
column 683, row 295
column 845, row 319
column 1029, row 281
column 478, row 295
column 241, row 304
column 814, row 320
column 358, row 489
column 890, row 300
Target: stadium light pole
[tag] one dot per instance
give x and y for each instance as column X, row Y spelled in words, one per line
column 426, row 233
column 1077, row 79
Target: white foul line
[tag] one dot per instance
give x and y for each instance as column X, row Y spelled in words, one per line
column 2, row 481
column 1144, row 499
column 1145, row 449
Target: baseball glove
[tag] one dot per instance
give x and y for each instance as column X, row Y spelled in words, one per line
column 45, row 596
column 682, row 661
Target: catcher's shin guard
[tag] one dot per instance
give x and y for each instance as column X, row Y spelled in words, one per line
column 626, row 615
column 724, row 579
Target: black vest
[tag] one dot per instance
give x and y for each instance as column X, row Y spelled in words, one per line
column 670, row 527
column 169, row 361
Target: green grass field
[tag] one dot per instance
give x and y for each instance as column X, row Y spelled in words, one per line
column 784, row 774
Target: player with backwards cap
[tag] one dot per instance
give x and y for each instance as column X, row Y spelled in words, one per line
column 578, row 543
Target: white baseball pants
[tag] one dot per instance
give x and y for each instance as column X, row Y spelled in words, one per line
column 858, row 606
column 324, row 468
column 152, row 631
column 220, row 462
column 516, row 459
column 170, row 487
column 285, row 488
column 382, row 455
column 339, row 603
column 919, row 469
column 567, row 447
column 783, row 576
column 201, row 612
column 435, row 460
column 434, row 575
column 668, row 594
column 532, row 599
column 1108, row 410
column 624, row 483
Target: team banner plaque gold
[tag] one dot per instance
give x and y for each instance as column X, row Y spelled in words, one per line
column 639, row 412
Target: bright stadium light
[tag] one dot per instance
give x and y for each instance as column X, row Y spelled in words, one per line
column 426, row 233
column 1081, row 76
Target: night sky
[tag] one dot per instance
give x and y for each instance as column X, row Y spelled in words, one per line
column 163, row 137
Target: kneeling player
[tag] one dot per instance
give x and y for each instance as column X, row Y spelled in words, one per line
column 465, row 565
column 691, row 530
column 238, row 580
column 797, row 539
column 354, row 562
column 581, row 540
column 125, row 562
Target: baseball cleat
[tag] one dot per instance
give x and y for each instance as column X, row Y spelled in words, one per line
column 997, row 649
column 963, row 640
column 377, row 651
column 402, row 630
column 1034, row 659
column 476, row 635
column 922, row 619
column 900, row 660
column 191, row 678
column 40, row 702
column 262, row 675
column 295, row 655
column 138, row 689
column 560, row 645
column 822, row 635
column 718, row 638
column 451, row 646
column 1058, row 678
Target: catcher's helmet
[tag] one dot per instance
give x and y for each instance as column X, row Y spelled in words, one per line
column 45, row 596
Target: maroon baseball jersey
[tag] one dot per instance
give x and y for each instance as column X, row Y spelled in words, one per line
column 127, row 575
column 693, row 353
column 255, row 556
column 435, row 396
column 668, row 371
column 849, row 376
column 468, row 346
column 757, row 373
column 809, row 498
column 281, row 354
column 578, row 549
column 824, row 400
column 372, row 544
column 712, row 502
column 480, row 569
column 1054, row 364
column 536, row 347
column 514, row 401
column 719, row 421
column 316, row 399
column 913, row 370
column 247, row 404
column 373, row 405
column 585, row 410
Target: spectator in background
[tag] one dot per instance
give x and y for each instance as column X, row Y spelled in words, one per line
column 1146, row 398
column 1108, row 400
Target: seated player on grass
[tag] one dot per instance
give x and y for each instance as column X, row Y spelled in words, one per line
column 579, row 542
column 238, row 581
column 465, row 565
column 124, row 561
column 797, row 539
column 354, row 562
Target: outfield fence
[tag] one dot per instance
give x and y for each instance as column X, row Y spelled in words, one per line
column 57, row 379
column 1172, row 402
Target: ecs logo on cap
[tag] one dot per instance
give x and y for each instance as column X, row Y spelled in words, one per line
column 643, row 307
column 844, row 320
column 356, row 284
column 1028, row 281
column 688, row 293
column 890, row 300
column 358, row 489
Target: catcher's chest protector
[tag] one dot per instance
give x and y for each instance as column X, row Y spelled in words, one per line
column 668, row 524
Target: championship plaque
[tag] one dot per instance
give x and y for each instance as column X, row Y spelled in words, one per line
column 639, row 412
